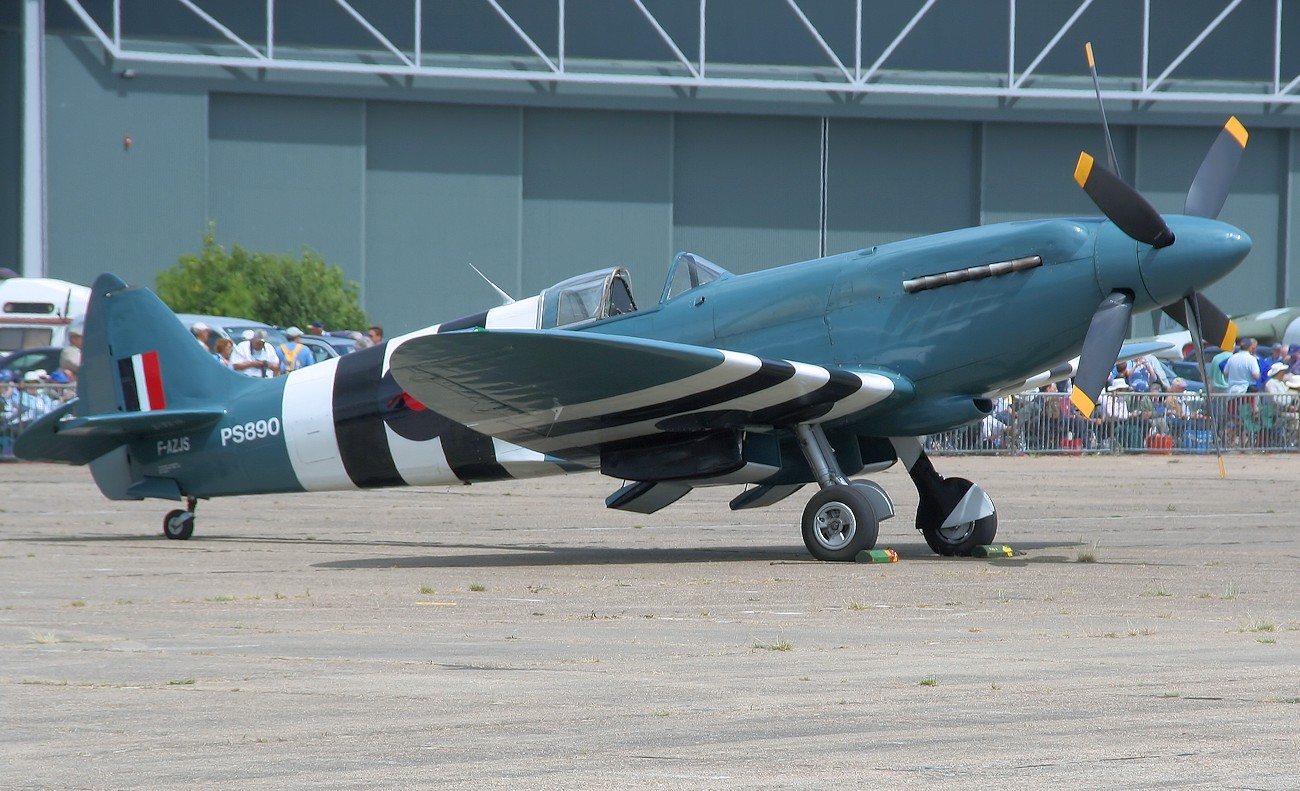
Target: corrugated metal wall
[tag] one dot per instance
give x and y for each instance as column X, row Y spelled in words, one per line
column 443, row 187
column 289, row 171
column 113, row 207
column 402, row 194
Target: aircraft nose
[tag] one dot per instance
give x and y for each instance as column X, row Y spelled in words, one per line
column 1203, row 252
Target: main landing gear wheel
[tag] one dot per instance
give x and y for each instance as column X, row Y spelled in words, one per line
column 959, row 539
column 838, row 523
column 178, row 524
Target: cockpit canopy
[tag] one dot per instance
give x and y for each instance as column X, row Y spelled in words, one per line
column 608, row 292
column 595, row 295
column 690, row 271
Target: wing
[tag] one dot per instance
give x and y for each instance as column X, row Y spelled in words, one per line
column 559, row 392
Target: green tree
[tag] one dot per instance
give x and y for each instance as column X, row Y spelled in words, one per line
column 274, row 288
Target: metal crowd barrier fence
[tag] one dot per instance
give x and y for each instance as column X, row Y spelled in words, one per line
column 1029, row 423
column 22, row 403
column 1153, row 423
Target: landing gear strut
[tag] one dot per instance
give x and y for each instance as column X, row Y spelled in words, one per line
column 179, row 524
column 844, row 517
column 954, row 515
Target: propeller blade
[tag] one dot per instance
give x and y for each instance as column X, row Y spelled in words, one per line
column 1105, row 336
column 1096, row 84
column 1122, row 204
column 1214, row 323
column 1210, row 187
column 1191, row 309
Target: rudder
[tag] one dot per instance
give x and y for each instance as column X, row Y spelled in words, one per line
column 137, row 357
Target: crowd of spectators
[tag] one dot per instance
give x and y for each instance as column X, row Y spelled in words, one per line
column 1253, row 402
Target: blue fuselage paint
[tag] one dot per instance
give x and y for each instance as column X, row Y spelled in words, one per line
column 346, row 424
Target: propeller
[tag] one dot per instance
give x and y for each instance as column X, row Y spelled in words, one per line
column 1133, row 215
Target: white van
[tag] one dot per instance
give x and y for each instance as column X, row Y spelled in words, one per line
column 37, row 311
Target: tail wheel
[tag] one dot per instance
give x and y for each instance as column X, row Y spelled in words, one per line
column 178, row 524
column 838, row 523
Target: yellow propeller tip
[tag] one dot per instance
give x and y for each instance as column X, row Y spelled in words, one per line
column 1083, row 168
column 1237, row 130
column 1087, row 47
column 1082, row 402
column 1229, row 336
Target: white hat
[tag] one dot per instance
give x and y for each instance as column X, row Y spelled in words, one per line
column 293, row 332
column 1276, row 368
column 248, row 335
column 198, row 327
column 1293, row 381
column 36, row 375
column 1119, row 384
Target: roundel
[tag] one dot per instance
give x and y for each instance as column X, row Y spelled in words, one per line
column 407, row 416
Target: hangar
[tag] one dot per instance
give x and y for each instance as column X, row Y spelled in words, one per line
column 403, row 139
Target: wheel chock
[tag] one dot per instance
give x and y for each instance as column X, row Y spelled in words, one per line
column 877, row 556
column 993, row 551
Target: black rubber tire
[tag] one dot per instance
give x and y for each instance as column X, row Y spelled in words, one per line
column 178, row 524
column 838, row 523
column 960, row 540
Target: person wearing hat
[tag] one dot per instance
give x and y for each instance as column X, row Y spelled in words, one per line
column 30, row 401
column 1113, row 413
column 293, row 354
column 1293, row 358
column 316, row 328
column 1280, row 392
column 202, row 333
column 253, row 357
column 70, row 357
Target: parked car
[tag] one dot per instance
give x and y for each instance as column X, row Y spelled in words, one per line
column 230, row 327
column 1189, row 371
column 24, row 360
column 327, row 346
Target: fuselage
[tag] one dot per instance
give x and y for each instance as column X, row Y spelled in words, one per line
column 955, row 315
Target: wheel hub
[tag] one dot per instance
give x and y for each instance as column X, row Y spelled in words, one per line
column 835, row 525
column 957, row 533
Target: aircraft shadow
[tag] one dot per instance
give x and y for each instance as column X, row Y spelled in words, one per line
column 499, row 556
column 509, row 556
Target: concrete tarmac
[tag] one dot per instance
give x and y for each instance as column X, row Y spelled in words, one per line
column 522, row 636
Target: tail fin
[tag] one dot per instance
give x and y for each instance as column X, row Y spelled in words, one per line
column 142, row 373
column 138, row 358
